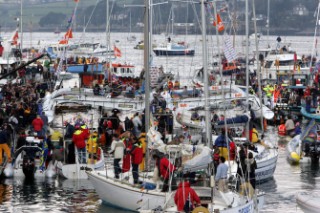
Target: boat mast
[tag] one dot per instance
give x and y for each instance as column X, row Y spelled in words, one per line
column 147, row 69
column 21, row 32
column 258, row 63
column 268, row 20
column 108, row 60
column 315, row 35
column 247, row 63
column 205, row 71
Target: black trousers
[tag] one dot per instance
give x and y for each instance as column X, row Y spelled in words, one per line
column 117, row 168
column 135, row 173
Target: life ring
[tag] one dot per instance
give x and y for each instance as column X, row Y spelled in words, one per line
column 200, row 209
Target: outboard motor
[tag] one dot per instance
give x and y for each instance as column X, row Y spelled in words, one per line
column 314, row 152
column 28, row 166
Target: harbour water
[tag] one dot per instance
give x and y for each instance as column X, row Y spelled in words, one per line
column 54, row 195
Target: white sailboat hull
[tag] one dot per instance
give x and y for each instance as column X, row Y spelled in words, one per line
column 124, row 196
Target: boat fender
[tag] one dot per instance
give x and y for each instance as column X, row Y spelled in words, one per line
column 200, row 209
column 295, row 156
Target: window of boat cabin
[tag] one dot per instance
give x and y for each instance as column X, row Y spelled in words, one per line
column 299, row 80
column 268, row 64
column 286, row 63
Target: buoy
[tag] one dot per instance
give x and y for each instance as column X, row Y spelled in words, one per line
column 295, row 156
column 200, row 209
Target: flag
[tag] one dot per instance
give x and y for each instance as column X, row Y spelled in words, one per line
column 220, row 23
column 117, row 52
column 76, row 1
column 68, row 34
column 295, row 62
column 63, row 41
column 15, row 38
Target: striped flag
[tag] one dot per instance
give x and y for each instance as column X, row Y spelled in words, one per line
column 117, row 51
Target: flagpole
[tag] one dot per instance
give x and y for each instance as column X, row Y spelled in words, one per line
column 21, row 32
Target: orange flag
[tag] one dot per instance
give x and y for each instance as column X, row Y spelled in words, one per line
column 64, row 41
column 68, row 34
column 117, row 51
column 15, row 39
column 220, row 23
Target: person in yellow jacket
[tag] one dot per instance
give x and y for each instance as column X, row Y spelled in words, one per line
column 268, row 90
column 254, row 135
column 56, row 135
column 92, row 145
column 142, row 140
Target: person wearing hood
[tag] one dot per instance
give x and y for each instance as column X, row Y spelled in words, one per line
column 185, row 197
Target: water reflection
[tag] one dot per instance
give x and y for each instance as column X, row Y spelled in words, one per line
column 47, row 195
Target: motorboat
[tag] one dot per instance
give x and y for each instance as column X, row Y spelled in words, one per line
column 305, row 147
column 30, row 161
column 173, row 49
column 77, row 170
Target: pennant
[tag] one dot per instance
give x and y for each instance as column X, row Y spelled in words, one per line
column 68, row 34
column 15, row 39
column 220, row 24
column 117, row 52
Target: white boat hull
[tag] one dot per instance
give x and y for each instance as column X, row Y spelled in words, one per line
column 309, row 201
column 124, row 196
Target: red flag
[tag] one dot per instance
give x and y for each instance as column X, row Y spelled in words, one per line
column 64, row 41
column 15, row 39
column 116, row 51
column 295, row 61
column 220, row 24
column 76, row 0
column 68, row 34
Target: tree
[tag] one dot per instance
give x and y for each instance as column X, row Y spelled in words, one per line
column 52, row 19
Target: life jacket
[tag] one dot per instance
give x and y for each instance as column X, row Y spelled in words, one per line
column 92, row 145
column 282, row 130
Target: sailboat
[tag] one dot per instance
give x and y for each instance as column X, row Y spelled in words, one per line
column 173, row 48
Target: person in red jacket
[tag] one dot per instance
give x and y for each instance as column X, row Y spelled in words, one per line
column 79, row 139
column 85, row 130
column 136, row 158
column 166, row 169
column 37, row 125
column 186, row 193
